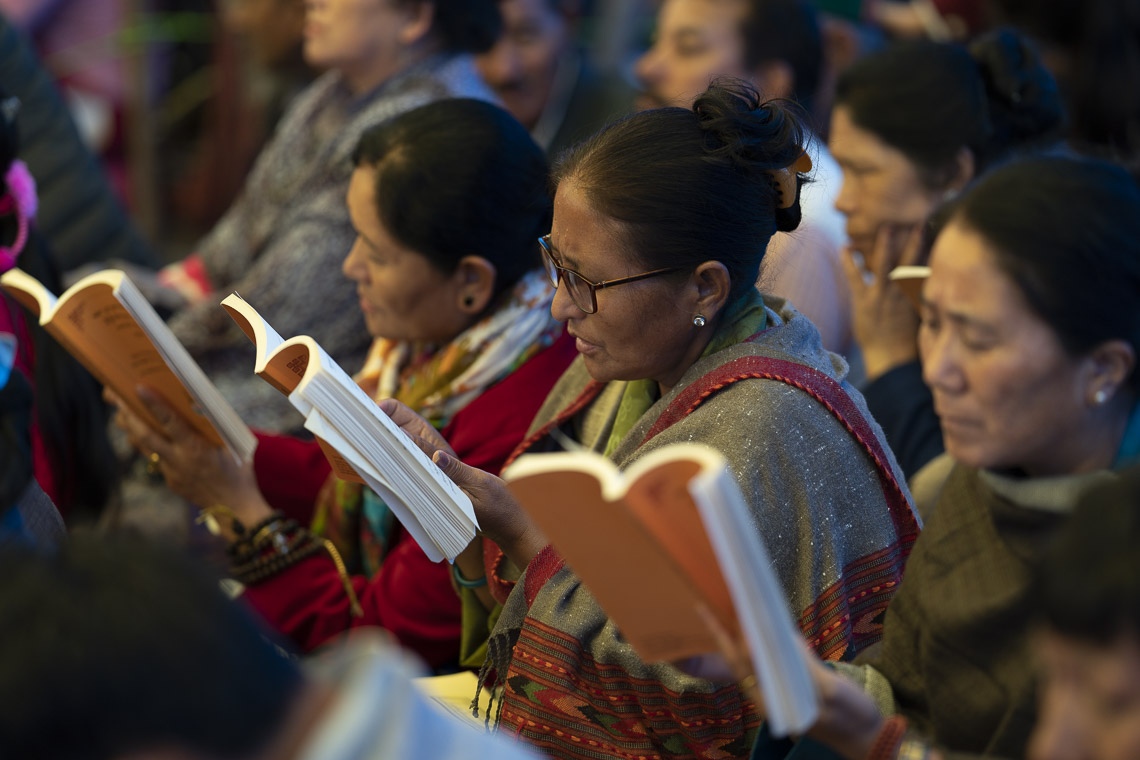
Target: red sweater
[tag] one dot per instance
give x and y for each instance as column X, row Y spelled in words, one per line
column 410, row 596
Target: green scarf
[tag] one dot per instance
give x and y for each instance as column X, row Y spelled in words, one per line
column 744, row 318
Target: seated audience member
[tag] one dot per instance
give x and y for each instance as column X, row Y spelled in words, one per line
column 446, row 201
column 280, row 243
column 912, row 126
column 80, row 216
column 544, row 80
column 79, row 44
column 1087, row 591
column 1029, row 338
column 775, row 44
column 26, row 513
column 1093, row 49
column 71, row 455
column 677, row 344
column 114, row 649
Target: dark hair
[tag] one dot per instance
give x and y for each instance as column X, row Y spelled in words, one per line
column 1101, row 76
column 1087, row 584
column 69, row 408
column 465, row 26
column 460, row 177
column 690, row 185
column 1067, row 232
column 786, row 30
column 929, row 100
column 113, row 646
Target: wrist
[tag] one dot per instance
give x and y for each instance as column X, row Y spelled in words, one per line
column 464, row 581
column 879, row 360
column 526, row 546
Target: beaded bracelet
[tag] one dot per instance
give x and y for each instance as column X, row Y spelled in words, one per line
column 277, row 543
column 462, row 582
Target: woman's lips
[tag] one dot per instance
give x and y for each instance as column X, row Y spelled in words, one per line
column 584, row 347
column 959, row 423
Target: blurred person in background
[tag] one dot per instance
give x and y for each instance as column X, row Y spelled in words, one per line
column 1087, row 590
column 777, row 46
column 913, row 124
column 80, row 215
column 71, row 456
column 115, row 649
column 79, row 43
column 1092, row 48
column 545, row 80
column 281, row 243
column 27, row 515
column 1030, row 337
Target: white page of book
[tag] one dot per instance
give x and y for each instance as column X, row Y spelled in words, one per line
column 774, row 640
column 239, row 439
column 441, row 507
column 316, row 424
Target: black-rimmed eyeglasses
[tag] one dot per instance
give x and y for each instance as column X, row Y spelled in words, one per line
column 583, row 292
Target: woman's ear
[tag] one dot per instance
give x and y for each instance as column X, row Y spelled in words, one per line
column 713, row 284
column 418, row 21
column 1110, row 365
column 964, row 169
column 474, row 280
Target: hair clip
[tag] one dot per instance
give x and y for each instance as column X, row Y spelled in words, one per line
column 784, row 180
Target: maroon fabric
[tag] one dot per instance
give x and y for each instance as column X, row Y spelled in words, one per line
column 290, row 473
column 493, row 557
column 830, row 395
column 410, row 596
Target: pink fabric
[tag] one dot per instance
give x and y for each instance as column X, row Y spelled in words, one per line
column 19, row 200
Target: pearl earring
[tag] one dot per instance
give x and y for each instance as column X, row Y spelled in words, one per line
column 1100, row 397
column 699, row 320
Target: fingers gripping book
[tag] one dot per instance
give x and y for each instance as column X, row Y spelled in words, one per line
column 106, row 323
column 669, row 550
column 361, row 442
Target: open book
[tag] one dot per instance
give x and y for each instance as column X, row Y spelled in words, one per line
column 362, row 443
column 108, row 325
column 910, row 280
column 665, row 546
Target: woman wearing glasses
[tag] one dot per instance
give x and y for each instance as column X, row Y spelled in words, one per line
column 660, row 223
column 446, row 201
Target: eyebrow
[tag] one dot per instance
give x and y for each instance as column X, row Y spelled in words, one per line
column 853, row 162
column 688, row 34
column 371, row 243
column 960, row 318
column 561, row 257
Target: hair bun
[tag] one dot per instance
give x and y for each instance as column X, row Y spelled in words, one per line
column 1024, row 101
column 468, row 26
column 757, row 137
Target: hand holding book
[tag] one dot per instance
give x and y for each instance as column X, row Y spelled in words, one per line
column 193, row 468
column 500, row 516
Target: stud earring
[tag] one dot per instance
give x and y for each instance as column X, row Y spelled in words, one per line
column 1100, row 397
column 699, row 320
column 468, row 300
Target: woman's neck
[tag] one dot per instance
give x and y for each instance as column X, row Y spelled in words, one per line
column 1095, row 446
